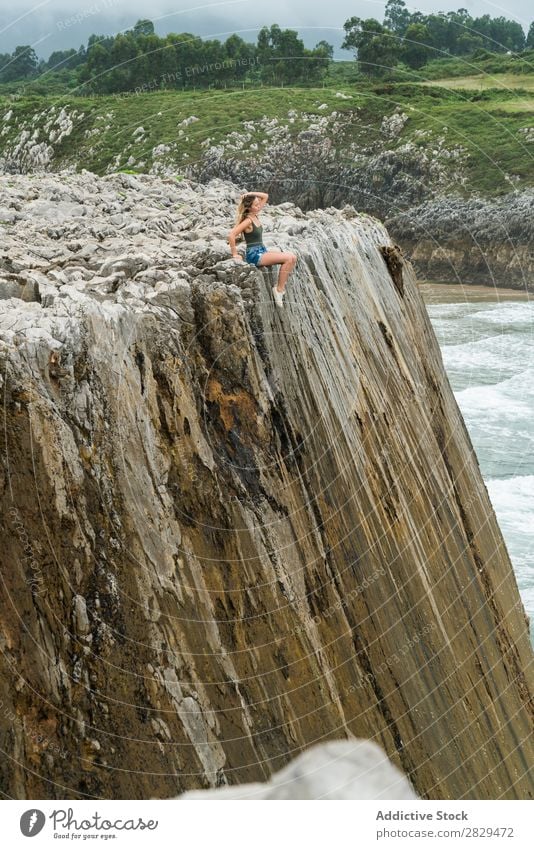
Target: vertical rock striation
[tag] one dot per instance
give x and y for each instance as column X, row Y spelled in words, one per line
column 228, row 531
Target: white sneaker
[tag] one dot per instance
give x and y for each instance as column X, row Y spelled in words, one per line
column 278, row 296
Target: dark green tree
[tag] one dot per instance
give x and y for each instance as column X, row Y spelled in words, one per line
column 5, row 59
column 530, row 37
column 98, row 63
column 440, row 31
column 460, row 36
column 325, row 48
column 105, row 40
column 264, row 53
column 291, row 54
column 416, row 46
column 397, row 18
column 318, row 60
column 506, row 35
column 143, row 27
column 467, row 43
column 240, row 55
column 146, row 70
column 482, row 27
column 377, row 48
column 215, row 71
column 185, row 60
column 284, row 59
column 23, row 63
column 60, row 59
column 123, row 55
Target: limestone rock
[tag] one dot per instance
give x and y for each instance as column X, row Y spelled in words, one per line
column 471, row 240
column 13, row 286
column 228, row 530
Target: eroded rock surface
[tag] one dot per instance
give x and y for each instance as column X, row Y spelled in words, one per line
column 228, row 531
column 487, row 242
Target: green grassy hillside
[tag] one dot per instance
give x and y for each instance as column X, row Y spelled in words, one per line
column 487, row 133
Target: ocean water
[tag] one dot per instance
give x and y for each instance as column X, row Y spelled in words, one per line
column 487, row 343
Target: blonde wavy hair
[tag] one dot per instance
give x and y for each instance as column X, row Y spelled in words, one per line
column 244, row 207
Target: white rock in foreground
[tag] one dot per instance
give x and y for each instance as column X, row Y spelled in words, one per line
column 340, row 769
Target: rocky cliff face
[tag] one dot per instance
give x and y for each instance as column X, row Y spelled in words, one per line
column 230, row 531
column 471, row 241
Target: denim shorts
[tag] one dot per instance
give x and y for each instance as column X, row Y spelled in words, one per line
column 254, row 253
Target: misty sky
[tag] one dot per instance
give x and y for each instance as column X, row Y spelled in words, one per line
column 58, row 24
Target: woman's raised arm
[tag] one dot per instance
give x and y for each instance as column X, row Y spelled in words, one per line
column 263, row 196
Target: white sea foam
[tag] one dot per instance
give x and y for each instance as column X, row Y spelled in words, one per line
column 486, row 359
column 499, row 419
column 508, row 314
column 458, row 323
column 488, row 352
column 511, row 399
column 513, row 502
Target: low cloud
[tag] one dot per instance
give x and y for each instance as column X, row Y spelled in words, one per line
column 51, row 25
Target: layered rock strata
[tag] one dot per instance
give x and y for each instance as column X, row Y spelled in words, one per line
column 478, row 241
column 229, row 531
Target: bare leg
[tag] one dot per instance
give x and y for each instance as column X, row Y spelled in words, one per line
column 285, row 260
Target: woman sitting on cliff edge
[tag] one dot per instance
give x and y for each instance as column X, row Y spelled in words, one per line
column 248, row 223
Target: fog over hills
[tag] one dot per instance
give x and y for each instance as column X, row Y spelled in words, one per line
column 57, row 24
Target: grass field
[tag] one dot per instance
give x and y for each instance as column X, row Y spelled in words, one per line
column 482, row 82
column 491, row 126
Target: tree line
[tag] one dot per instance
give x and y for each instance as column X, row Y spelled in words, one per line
column 140, row 60
column 414, row 38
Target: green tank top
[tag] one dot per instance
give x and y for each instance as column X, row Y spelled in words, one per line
column 255, row 236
